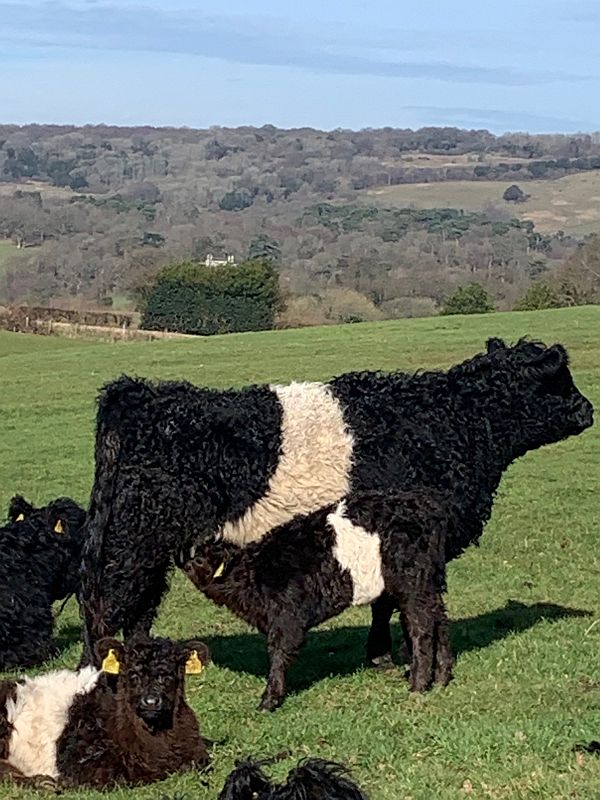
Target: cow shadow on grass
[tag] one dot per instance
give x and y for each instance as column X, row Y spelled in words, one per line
column 341, row 651
column 66, row 637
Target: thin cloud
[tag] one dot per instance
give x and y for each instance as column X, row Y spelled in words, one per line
column 496, row 119
column 243, row 40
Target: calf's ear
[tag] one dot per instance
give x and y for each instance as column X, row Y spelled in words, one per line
column 109, row 654
column 59, row 524
column 196, row 656
column 19, row 509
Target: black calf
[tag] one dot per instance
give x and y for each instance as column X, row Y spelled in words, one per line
column 40, row 553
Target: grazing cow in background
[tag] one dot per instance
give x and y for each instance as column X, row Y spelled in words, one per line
column 312, row 779
column 177, row 464
column 129, row 724
column 40, row 555
column 312, row 568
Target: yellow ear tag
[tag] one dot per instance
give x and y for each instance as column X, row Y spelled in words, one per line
column 58, row 528
column 193, row 666
column 111, row 663
column 20, row 518
column 220, row 570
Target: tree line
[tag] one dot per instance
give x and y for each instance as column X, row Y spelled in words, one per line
column 97, row 212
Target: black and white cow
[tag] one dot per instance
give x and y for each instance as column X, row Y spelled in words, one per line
column 178, row 464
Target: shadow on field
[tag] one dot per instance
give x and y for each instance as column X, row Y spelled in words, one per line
column 66, row 637
column 341, row 651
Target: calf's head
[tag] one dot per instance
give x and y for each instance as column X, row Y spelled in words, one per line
column 150, row 675
column 52, row 534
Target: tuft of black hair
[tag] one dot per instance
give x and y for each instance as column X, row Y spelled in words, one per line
column 311, row 779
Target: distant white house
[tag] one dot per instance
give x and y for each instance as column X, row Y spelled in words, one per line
column 211, row 261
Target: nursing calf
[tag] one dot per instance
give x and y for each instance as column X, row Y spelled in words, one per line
column 314, row 567
column 126, row 724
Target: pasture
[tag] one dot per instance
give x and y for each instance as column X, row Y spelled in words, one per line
column 571, row 204
column 7, row 251
column 524, row 607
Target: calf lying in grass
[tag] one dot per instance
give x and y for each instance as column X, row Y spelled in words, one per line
column 312, row 779
column 312, row 568
column 126, row 724
column 40, row 554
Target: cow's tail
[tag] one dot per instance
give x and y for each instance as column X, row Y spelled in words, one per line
column 117, row 407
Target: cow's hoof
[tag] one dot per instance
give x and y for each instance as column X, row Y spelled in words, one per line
column 382, row 663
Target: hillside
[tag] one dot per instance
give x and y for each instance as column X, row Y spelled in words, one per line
column 98, row 210
column 523, row 606
column 570, row 204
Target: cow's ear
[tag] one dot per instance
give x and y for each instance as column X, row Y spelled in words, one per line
column 109, row 654
column 494, row 344
column 550, row 361
column 195, row 655
column 19, row 509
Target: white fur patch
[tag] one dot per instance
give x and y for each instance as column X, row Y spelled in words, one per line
column 39, row 714
column 359, row 552
column 314, row 464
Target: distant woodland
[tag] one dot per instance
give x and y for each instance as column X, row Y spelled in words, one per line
column 93, row 213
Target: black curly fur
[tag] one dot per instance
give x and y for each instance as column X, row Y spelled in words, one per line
column 175, row 462
column 312, row 779
column 37, row 567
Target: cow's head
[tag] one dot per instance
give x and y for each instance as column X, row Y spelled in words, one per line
column 150, row 675
column 54, row 535
column 545, row 404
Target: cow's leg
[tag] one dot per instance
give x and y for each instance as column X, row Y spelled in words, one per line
column 379, row 642
column 283, row 643
column 138, row 618
column 128, row 602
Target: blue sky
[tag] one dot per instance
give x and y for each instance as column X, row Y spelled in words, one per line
column 511, row 65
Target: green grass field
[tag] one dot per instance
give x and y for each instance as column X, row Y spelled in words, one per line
column 571, row 204
column 7, row 250
column 527, row 678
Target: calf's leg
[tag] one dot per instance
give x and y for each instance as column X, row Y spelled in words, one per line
column 427, row 625
column 443, row 654
column 379, row 642
column 283, row 642
column 14, row 775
